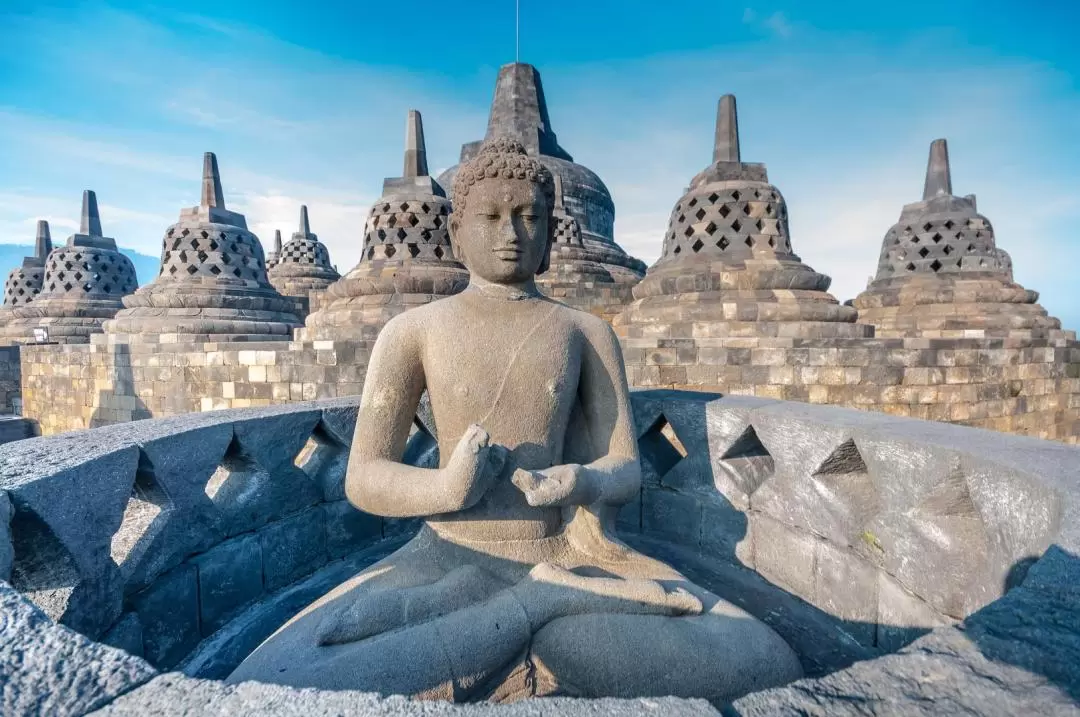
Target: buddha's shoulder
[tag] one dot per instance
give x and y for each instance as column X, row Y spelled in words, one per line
column 583, row 321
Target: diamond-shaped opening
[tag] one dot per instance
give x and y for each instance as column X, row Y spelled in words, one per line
column 926, row 227
column 710, row 228
column 401, row 233
column 390, row 250
column 772, row 242
column 849, row 494
column 43, row 569
column 147, row 511
column 697, row 245
column 722, row 242
column 237, row 272
column 677, row 249
column 735, row 195
column 746, row 209
column 391, row 221
column 438, row 251
column 736, row 225
column 404, row 206
column 203, row 256
column 688, row 232
column 215, row 269
column 769, row 209
column 748, row 462
column 949, row 224
column 937, row 237
column 936, row 265
column 424, row 207
column 691, row 203
column 910, row 267
column 437, row 222
column 947, row 249
column 324, row 459
column 724, row 211
column 700, row 214
column 413, row 220
column 923, row 252
column 660, row 449
column 713, row 197
column 749, row 241
column 414, row 250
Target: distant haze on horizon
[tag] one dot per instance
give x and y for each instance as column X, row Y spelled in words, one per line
column 306, row 104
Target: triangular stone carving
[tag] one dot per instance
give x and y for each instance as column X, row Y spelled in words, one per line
column 849, row 495
column 661, row 450
column 148, row 510
column 950, row 499
column 324, row 459
column 239, row 489
column 44, row 569
column 747, row 462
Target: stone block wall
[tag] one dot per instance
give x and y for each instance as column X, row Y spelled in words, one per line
column 83, row 386
column 1015, row 385
column 10, row 380
column 193, row 537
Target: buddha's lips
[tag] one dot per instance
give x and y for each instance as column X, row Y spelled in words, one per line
column 507, row 252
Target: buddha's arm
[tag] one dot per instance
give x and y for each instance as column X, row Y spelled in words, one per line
column 614, row 477
column 376, row 481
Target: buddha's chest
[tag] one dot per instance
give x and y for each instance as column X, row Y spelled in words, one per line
column 516, row 378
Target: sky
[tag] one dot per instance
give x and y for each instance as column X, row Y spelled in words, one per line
column 305, row 103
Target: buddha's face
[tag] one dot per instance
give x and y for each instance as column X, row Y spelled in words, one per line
column 502, row 232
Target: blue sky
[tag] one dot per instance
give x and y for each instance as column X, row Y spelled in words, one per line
column 306, row 102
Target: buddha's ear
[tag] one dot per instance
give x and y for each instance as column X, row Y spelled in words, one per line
column 451, row 232
column 545, row 263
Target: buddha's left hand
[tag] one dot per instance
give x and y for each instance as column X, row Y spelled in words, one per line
column 556, row 486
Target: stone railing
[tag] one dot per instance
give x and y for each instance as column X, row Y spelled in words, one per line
column 187, row 540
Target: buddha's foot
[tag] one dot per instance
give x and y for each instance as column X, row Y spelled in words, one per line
column 550, row 592
column 374, row 613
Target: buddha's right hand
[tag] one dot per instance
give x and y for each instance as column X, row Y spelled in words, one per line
column 472, row 469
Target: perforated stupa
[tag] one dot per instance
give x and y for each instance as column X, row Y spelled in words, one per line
column 82, row 286
column 407, row 258
column 941, row 275
column 24, row 281
column 727, row 271
column 302, row 266
column 519, row 110
column 212, row 284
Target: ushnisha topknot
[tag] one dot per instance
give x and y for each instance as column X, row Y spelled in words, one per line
column 502, row 158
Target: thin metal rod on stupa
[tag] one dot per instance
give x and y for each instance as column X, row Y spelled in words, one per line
column 415, row 148
column 938, row 174
column 90, row 221
column 212, row 196
column 43, row 242
column 305, row 226
column 726, row 146
column 277, row 241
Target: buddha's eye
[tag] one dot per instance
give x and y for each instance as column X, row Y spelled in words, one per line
column 529, row 217
column 487, row 215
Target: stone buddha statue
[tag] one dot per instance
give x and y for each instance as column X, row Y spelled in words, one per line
column 515, row 586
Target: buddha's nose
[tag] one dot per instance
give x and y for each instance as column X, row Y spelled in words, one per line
column 508, row 232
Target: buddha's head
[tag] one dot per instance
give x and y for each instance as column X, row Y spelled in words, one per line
column 501, row 226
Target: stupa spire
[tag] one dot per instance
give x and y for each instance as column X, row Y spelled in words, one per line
column 277, row 240
column 938, row 175
column 305, row 225
column 212, row 196
column 43, row 241
column 415, row 148
column 90, row 220
column 519, row 110
column 726, row 145
column 558, row 192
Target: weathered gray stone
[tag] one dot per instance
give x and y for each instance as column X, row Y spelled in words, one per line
column 169, row 613
column 7, row 551
column 174, row 694
column 230, row 578
column 47, row 669
column 126, row 635
column 1018, row 656
column 348, row 528
column 293, row 547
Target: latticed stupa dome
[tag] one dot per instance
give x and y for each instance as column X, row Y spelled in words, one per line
column 407, row 258
column 83, row 284
column 24, row 282
column 941, row 275
column 727, row 265
column 212, row 284
column 303, row 264
column 519, row 110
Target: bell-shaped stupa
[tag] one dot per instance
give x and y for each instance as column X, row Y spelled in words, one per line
column 519, row 110
column 82, row 284
column 727, row 272
column 941, row 275
column 303, row 264
column 272, row 257
column 24, row 281
column 212, row 285
column 407, row 258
